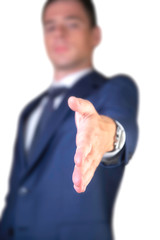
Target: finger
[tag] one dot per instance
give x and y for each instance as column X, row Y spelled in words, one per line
column 81, row 153
column 79, row 171
column 79, row 189
column 81, row 175
column 78, row 119
column 88, row 175
column 88, row 179
column 77, row 176
column 80, row 182
column 82, row 106
column 77, row 180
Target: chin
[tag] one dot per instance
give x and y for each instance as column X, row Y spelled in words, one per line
column 64, row 65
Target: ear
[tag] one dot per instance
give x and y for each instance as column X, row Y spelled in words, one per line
column 96, row 37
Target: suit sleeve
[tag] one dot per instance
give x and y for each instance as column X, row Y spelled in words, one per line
column 119, row 101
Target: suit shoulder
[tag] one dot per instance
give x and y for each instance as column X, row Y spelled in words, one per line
column 118, row 79
column 124, row 80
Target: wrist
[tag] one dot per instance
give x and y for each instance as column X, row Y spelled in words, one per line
column 110, row 127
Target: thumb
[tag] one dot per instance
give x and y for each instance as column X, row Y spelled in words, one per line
column 80, row 105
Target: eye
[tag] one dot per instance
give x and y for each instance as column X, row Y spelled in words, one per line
column 73, row 25
column 50, row 28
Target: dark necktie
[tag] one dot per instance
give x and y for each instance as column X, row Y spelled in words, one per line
column 45, row 117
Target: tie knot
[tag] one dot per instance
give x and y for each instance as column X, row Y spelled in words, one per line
column 54, row 92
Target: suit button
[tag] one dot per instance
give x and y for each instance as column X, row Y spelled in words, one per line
column 10, row 232
column 23, row 191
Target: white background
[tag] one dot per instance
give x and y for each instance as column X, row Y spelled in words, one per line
column 131, row 39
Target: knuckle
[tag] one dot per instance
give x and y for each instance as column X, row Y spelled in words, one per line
column 95, row 164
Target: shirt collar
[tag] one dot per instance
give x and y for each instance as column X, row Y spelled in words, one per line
column 71, row 79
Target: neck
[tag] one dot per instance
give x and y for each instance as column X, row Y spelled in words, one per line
column 61, row 73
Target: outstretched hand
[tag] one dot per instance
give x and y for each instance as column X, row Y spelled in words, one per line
column 95, row 136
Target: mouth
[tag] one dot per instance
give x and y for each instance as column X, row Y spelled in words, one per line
column 60, row 49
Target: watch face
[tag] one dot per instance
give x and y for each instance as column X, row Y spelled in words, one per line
column 120, row 137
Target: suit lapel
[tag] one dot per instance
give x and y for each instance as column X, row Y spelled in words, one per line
column 20, row 139
column 83, row 88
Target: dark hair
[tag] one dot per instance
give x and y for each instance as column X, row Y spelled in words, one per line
column 87, row 5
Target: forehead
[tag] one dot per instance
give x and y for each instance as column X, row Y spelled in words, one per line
column 63, row 9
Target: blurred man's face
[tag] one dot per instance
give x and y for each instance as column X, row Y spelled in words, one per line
column 69, row 37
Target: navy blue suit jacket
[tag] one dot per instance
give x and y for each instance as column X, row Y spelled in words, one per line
column 41, row 203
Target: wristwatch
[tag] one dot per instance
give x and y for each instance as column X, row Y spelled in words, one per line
column 119, row 142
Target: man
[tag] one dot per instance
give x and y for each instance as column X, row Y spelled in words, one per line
column 71, row 143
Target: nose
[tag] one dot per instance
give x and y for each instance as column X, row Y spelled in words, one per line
column 60, row 31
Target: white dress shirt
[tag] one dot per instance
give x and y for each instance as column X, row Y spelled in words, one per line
column 34, row 117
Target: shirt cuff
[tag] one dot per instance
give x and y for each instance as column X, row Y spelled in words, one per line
column 119, row 144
